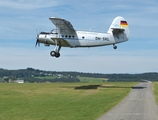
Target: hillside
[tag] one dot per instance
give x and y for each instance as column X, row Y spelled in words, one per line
column 36, row 75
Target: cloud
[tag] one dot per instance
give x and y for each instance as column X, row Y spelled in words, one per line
column 28, row 4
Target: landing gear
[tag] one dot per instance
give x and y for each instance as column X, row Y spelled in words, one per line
column 55, row 52
column 114, row 46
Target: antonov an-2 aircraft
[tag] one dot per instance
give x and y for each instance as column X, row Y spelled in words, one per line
column 66, row 36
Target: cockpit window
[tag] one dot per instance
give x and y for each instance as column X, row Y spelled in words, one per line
column 54, row 31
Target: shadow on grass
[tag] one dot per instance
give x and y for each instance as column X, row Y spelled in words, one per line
column 96, row 87
column 87, row 87
column 138, row 87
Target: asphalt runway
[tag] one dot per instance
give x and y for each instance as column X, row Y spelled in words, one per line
column 140, row 104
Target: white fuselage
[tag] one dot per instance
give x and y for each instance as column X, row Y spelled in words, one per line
column 82, row 39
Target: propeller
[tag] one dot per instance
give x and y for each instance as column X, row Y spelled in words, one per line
column 37, row 39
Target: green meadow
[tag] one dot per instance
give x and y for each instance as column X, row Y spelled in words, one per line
column 59, row 101
column 91, row 79
column 155, row 89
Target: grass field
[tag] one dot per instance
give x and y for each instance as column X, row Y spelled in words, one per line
column 91, row 79
column 59, row 101
column 155, row 88
column 82, row 79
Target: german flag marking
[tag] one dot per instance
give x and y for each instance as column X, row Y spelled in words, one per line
column 123, row 24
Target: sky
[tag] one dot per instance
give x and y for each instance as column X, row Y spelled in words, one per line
column 22, row 20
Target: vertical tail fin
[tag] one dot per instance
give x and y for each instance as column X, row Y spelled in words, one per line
column 120, row 28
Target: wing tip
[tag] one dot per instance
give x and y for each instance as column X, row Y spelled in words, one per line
column 55, row 18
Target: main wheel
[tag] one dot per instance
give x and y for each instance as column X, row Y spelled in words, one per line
column 57, row 54
column 53, row 53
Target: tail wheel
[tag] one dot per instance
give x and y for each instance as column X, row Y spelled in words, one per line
column 115, row 47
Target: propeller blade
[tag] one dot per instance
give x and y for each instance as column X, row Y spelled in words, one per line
column 37, row 43
column 37, row 38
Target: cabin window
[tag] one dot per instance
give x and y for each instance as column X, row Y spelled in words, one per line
column 66, row 36
column 83, row 37
column 69, row 36
column 73, row 36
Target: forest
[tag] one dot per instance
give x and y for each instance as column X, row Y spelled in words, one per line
column 36, row 75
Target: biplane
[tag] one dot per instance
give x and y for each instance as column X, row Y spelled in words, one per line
column 66, row 36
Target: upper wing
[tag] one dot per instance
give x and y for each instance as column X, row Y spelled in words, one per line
column 62, row 25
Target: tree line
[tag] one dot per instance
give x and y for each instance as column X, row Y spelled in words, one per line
column 31, row 75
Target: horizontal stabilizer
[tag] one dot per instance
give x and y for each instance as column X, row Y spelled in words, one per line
column 117, row 30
